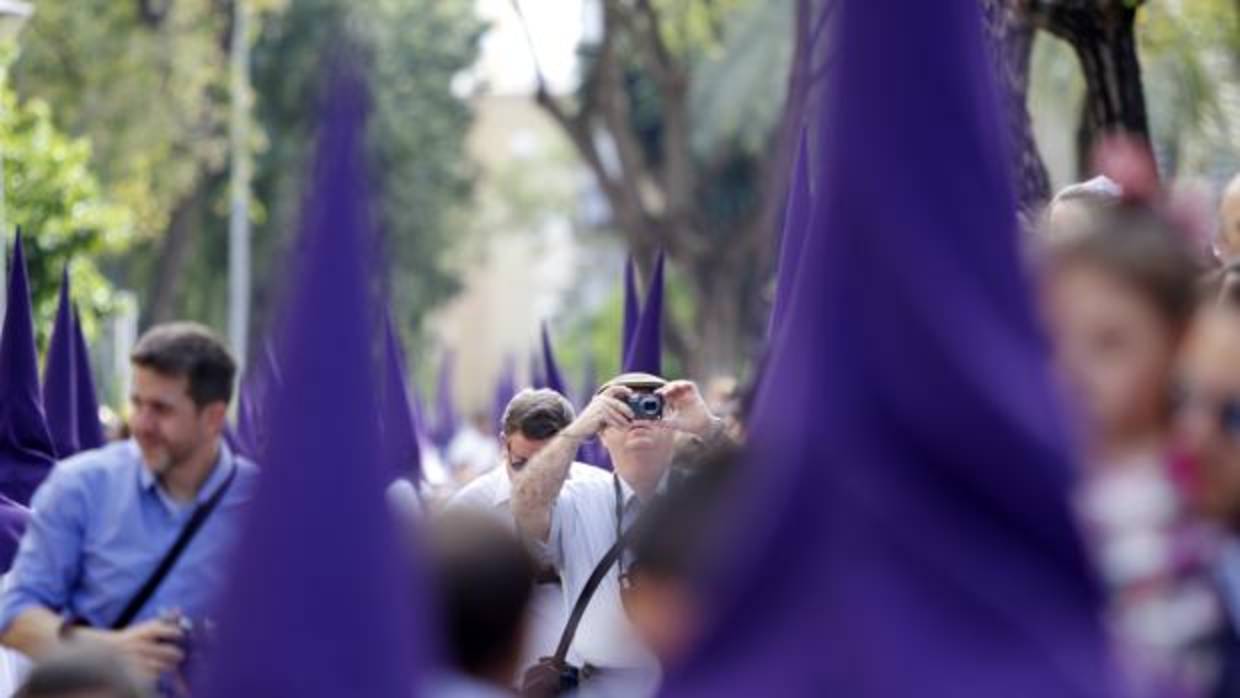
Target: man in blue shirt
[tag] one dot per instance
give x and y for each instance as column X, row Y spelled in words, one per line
column 104, row 519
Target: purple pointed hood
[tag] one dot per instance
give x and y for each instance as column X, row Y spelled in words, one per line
column 505, row 389
column 538, row 377
column 90, row 428
column 551, row 369
column 645, row 352
column 447, row 422
column 792, row 240
column 908, row 475
column 632, row 308
column 60, row 383
column 400, row 434
column 258, row 388
column 317, row 606
column 26, row 450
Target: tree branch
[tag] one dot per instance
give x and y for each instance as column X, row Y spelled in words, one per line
column 653, row 38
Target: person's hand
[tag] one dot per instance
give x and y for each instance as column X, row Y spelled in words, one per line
column 151, row 648
column 608, row 409
column 685, row 410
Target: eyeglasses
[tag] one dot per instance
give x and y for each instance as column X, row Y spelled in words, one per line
column 1224, row 411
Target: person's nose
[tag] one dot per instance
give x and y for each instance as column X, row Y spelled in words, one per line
column 141, row 421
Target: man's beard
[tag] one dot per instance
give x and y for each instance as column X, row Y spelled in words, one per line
column 167, row 459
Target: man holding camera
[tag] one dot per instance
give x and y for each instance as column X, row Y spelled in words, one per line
column 530, row 420
column 126, row 543
column 576, row 524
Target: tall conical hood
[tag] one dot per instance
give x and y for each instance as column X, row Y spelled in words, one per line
column 90, row 428
column 26, row 450
column 792, row 241
column 632, row 308
column 317, row 606
column 906, row 488
column 645, row 353
column 60, row 382
column 551, row 369
column 400, row 435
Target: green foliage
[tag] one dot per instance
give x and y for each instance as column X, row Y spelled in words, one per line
column 52, row 194
column 694, row 29
column 1180, row 48
column 151, row 98
column 1188, row 53
column 734, row 100
column 417, row 132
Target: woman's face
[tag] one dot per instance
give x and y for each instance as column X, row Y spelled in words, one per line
column 1114, row 351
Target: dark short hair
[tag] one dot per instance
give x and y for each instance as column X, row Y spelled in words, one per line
column 537, row 414
column 191, row 350
column 77, row 671
column 483, row 580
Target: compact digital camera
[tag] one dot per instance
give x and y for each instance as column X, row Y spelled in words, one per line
column 647, row 406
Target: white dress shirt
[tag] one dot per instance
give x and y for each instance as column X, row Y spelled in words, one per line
column 583, row 529
column 492, row 493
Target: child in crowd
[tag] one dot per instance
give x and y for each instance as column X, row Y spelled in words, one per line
column 1119, row 290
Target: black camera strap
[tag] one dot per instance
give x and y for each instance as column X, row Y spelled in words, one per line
column 604, row 565
column 583, row 599
column 169, row 560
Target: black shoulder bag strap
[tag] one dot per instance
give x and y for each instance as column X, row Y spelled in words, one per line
column 583, row 599
column 191, row 527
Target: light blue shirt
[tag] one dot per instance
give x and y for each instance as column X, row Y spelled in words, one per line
column 100, row 524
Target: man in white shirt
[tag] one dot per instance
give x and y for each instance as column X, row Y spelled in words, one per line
column 575, row 522
column 530, row 420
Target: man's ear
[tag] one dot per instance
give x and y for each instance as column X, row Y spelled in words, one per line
column 216, row 413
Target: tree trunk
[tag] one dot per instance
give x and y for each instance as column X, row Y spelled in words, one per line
column 1103, row 35
column 173, row 256
column 1011, row 32
column 719, row 327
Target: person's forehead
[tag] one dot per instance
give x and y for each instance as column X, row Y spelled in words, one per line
column 523, row 446
column 151, row 382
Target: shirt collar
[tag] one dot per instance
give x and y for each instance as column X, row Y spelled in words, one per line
column 223, row 465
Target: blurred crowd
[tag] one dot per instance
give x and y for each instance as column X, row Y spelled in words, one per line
column 554, row 577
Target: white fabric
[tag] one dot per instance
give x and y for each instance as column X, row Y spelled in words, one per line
column 14, row 666
column 434, row 472
column 491, row 493
column 583, row 528
column 404, row 501
column 471, row 450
